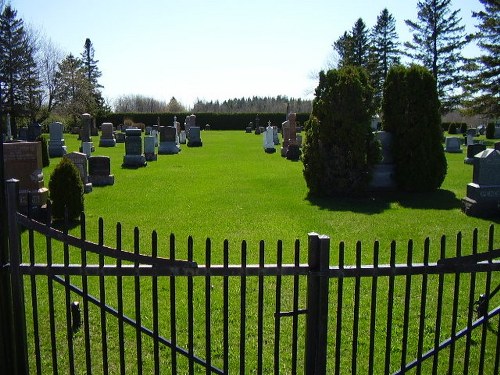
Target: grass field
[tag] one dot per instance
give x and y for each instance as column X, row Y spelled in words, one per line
column 231, row 189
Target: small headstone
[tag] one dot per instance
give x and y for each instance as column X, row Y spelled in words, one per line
column 473, row 150
column 150, row 148
column 87, row 148
column 120, row 137
column 483, row 193
column 452, row 144
column 470, row 134
column 182, row 137
column 22, row 133
column 382, row 176
column 194, row 139
column 56, row 142
column 285, row 129
column 34, row 131
column 79, row 159
column 107, row 137
column 23, row 161
column 496, row 135
column 133, row 149
column 168, row 145
column 268, row 140
column 100, row 171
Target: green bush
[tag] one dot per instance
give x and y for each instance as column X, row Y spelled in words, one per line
column 463, row 128
column 490, row 130
column 66, row 190
column 45, row 151
column 411, row 112
column 338, row 148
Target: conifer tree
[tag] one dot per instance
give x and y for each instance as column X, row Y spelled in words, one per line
column 438, row 39
column 384, row 52
column 92, row 72
column 483, row 85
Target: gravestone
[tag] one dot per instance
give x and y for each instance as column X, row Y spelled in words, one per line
column 100, row 171
column 285, row 130
column 120, row 137
column 472, row 150
column 23, row 161
column 276, row 139
column 268, row 140
column 249, row 128
column 496, row 135
column 57, row 146
column 107, row 137
column 133, row 149
column 168, row 145
column 293, row 151
column 194, row 139
column 470, row 134
column 150, row 148
column 34, row 131
column 87, row 148
column 496, row 146
column 190, row 122
column 22, row 134
column 85, row 131
column 483, row 193
column 182, row 137
column 383, row 172
column 79, row 159
column 452, row 144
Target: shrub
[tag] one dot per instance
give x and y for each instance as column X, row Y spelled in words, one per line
column 463, row 128
column 338, row 148
column 490, row 130
column 66, row 190
column 411, row 112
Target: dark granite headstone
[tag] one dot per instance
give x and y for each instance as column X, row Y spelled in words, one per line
column 100, row 171
column 168, row 137
column 133, row 149
column 194, row 139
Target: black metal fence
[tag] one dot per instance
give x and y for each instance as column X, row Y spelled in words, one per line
column 85, row 307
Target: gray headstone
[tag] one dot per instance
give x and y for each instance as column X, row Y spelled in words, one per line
column 452, row 144
column 79, row 159
column 56, row 142
column 487, row 168
column 194, row 139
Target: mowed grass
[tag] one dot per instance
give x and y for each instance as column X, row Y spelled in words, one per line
column 231, row 189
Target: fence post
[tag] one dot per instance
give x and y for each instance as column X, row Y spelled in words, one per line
column 317, row 304
column 16, row 280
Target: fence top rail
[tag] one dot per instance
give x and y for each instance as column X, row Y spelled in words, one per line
column 98, row 248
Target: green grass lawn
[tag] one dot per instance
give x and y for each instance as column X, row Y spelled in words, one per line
column 231, row 189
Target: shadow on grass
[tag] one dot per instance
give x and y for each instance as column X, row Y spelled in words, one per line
column 377, row 202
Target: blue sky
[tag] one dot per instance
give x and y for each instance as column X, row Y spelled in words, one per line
column 212, row 49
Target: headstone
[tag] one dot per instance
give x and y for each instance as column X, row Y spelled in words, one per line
column 382, row 177
column 496, row 135
column 483, row 193
column 148, row 131
column 22, row 133
column 248, row 129
column 23, row 161
column 87, row 148
column 79, row 159
column 133, row 149
column 268, row 140
column 100, row 171
column 470, row 134
column 34, row 131
column 285, row 132
column 57, row 146
column 182, row 137
column 452, row 144
column 107, row 137
column 473, row 150
column 194, row 139
column 120, row 137
column 168, row 145
column 293, row 151
column 86, row 131
column 150, row 148
column 276, row 139
column 496, row 146
column 190, row 122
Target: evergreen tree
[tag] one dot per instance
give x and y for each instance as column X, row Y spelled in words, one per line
column 74, row 92
column 18, row 75
column 438, row 39
column 337, row 153
column 361, row 41
column 384, row 52
column 92, row 72
column 411, row 112
column 483, row 86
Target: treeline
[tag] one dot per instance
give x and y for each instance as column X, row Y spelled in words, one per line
column 255, row 105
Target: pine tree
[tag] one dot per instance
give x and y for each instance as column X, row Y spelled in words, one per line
column 74, row 92
column 18, row 75
column 483, row 86
column 438, row 39
column 384, row 52
column 92, row 72
column 360, row 37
